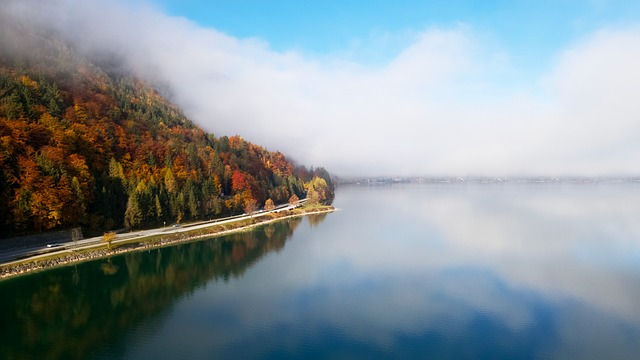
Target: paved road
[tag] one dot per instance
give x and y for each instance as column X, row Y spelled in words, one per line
column 43, row 251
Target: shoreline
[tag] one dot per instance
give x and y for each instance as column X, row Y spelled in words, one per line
column 62, row 259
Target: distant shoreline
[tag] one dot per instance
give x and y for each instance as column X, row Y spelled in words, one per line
column 69, row 257
column 384, row 180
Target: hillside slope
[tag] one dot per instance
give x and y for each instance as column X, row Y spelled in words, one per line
column 82, row 144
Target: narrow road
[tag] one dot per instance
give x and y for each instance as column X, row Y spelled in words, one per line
column 6, row 258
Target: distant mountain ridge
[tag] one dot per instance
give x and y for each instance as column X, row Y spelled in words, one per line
column 82, row 144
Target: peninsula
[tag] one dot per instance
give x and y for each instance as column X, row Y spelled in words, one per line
column 63, row 254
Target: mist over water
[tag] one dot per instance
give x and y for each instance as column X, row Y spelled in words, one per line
column 404, row 271
column 463, row 270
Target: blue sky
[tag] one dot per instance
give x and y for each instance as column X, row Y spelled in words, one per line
column 531, row 31
column 458, row 88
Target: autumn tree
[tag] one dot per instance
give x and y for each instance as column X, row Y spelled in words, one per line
column 269, row 205
column 158, row 208
column 82, row 146
column 108, row 238
column 317, row 191
column 250, row 205
column 133, row 213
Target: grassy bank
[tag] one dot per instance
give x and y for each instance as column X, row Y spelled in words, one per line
column 73, row 256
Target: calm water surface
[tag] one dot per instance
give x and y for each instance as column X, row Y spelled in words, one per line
column 406, row 271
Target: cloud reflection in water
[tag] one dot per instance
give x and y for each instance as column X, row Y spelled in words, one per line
column 447, row 271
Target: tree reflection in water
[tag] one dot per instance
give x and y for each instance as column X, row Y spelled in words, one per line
column 70, row 312
column 316, row 219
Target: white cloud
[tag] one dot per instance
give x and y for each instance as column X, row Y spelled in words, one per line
column 439, row 107
column 594, row 85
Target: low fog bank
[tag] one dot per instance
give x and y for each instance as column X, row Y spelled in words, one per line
column 443, row 105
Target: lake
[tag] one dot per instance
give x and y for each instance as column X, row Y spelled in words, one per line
column 449, row 271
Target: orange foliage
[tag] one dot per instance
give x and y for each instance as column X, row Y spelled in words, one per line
column 236, row 142
column 240, row 181
column 58, row 148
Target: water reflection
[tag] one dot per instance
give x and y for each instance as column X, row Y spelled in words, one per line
column 435, row 272
column 543, row 264
column 513, row 272
column 316, row 219
column 67, row 313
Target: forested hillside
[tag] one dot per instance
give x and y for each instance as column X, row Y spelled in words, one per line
column 90, row 145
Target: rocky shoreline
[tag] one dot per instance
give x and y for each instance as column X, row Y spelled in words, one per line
column 27, row 267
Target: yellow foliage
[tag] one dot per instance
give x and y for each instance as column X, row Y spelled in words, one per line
column 27, row 81
column 108, row 238
column 317, row 190
column 268, row 205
